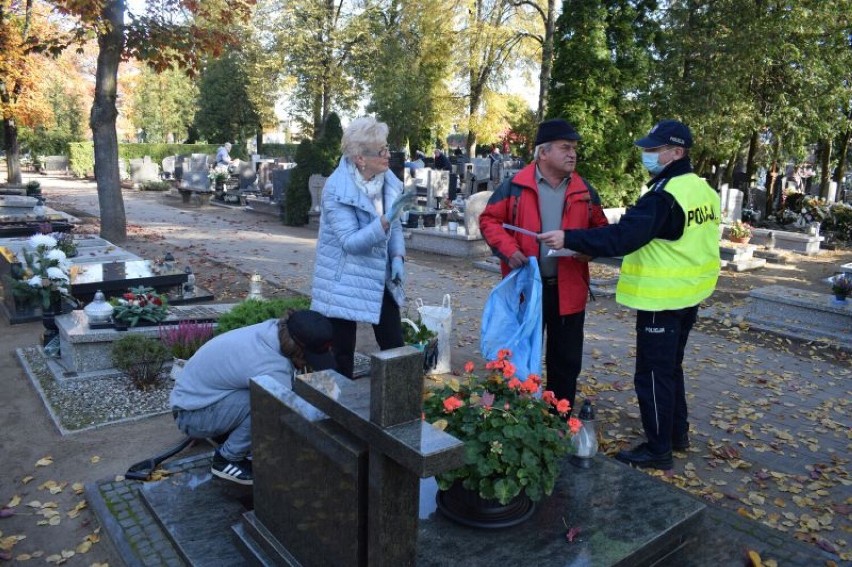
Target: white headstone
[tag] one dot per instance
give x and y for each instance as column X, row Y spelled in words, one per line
column 732, row 204
column 832, row 192
column 316, row 182
column 474, row 206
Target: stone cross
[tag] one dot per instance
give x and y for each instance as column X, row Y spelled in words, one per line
column 338, row 483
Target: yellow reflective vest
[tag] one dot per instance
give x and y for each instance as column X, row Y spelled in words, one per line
column 673, row 274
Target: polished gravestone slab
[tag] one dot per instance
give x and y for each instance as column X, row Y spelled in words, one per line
column 198, row 510
column 362, row 449
column 338, row 467
column 17, row 217
column 624, row 518
column 799, row 313
column 118, row 277
column 90, row 249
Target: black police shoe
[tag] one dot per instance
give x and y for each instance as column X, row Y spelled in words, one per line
column 641, row 457
column 680, row 443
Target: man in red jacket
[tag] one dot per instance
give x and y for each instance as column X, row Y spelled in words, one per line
column 549, row 195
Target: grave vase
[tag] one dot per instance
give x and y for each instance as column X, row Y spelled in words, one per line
column 48, row 317
column 468, row 508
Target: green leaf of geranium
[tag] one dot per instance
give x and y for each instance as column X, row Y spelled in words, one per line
column 505, row 489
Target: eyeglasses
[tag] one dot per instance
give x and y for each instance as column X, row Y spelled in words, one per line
column 384, row 152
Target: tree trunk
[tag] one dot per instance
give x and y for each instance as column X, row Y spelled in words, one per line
column 825, row 164
column 728, row 174
column 471, row 143
column 841, row 160
column 259, row 139
column 13, row 151
column 546, row 60
column 102, row 122
column 751, row 160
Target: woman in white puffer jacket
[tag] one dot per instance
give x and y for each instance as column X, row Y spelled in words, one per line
column 358, row 249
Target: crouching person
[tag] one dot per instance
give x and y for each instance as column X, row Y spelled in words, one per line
column 211, row 398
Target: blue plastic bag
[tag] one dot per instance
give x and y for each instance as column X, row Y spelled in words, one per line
column 512, row 319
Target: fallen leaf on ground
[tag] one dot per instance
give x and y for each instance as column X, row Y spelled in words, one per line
column 754, row 558
column 44, row 461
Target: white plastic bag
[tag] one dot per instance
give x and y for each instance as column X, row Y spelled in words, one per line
column 439, row 320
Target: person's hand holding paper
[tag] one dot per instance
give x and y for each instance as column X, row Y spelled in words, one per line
column 401, row 201
column 555, row 240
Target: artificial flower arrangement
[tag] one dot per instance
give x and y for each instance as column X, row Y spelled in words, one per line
column 139, row 304
column 515, row 436
column 740, row 229
column 46, row 275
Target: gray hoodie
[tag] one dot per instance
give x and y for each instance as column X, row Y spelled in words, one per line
column 228, row 362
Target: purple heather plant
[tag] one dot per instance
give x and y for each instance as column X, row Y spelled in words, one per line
column 185, row 338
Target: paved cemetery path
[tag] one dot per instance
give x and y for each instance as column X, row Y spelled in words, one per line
column 770, row 423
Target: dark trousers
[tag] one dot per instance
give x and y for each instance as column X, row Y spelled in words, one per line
column 564, row 344
column 388, row 334
column 660, row 342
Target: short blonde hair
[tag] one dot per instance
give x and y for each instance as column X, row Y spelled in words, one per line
column 364, row 134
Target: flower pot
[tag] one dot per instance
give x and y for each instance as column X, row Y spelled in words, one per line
column 48, row 318
column 740, row 239
column 840, row 298
column 467, row 508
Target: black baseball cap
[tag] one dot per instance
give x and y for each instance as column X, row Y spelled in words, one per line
column 667, row 133
column 313, row 333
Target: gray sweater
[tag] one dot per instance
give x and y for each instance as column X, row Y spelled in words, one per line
column 229, row 362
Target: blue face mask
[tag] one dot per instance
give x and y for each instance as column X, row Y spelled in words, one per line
column 651, row 162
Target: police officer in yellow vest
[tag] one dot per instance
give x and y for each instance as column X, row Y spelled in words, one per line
column 670, row 243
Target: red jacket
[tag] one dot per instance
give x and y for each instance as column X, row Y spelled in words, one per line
column 516, row 202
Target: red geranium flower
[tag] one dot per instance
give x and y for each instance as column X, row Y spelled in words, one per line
column 452, row 403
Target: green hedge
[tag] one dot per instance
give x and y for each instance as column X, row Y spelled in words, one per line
column 280, row 150
column 81, row 158
column 82, row 154
column 253, row 311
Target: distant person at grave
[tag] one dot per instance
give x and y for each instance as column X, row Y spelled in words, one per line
column 496, row 159
column 417, row 163
column 359, row 270
column 549, row 194
column 670, row 243
column 223, row 157
column 211, row 397
column 442, row 162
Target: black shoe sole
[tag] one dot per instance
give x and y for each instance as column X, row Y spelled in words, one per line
column 659, row 465
column 233, row 479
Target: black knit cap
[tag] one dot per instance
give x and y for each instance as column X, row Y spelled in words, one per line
column 313, row 333
column 556, row 129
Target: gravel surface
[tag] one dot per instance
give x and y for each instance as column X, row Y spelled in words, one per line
column 77, row 405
